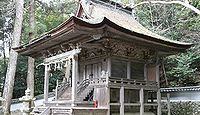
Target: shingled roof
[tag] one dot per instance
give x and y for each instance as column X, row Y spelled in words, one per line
column 121, row 17
column 94, row 16
column 180, row 89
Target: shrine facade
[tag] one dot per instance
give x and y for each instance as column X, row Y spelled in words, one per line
column 111, row 63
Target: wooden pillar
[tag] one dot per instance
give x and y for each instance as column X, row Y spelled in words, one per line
column 141, row 101
column 46, row 83
column 108, row 100
column 159, row 102
column 74, row 76
column 168, row 104
column 77, row 73
column 158, row 92
column 109, row 67
column 122, row 100
column 128, row 70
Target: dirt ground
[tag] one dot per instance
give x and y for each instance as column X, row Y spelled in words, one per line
column 18, row 112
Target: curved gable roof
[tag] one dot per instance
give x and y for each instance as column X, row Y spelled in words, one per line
column 98, row 10
column 100, row 16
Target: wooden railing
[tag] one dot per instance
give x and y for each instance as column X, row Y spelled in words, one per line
column 60, row 88
column 96, row 81
column 131, row 81
column 47, row 111
column 83, row 85
column 107, row 80
column 56, row 110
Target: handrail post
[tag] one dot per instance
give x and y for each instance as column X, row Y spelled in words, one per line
column 56, row 92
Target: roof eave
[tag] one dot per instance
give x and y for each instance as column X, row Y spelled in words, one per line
column 76, row 21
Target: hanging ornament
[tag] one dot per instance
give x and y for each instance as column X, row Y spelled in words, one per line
column 51, row 75
column 59, row 66
column 66, row 64
column 55, row 66
column 49, row 67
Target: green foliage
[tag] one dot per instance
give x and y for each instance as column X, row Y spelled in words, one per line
column 184, row 108
column 20, row 77
column 3, row 67
column 178, row 23
column 181, row 69
column 48, row 16
column 39, row 77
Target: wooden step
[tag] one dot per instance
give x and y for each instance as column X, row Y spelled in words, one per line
column 66, row 94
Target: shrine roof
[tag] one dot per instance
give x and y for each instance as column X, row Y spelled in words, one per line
column 100, row 18
column 180, row 89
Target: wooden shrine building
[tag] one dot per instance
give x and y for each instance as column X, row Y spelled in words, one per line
column 110, row 61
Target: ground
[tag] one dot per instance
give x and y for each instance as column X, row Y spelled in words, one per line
column 16, row 112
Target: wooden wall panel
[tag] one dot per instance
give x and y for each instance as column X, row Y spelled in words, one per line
column 151, row 72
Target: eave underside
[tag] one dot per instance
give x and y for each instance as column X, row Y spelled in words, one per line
column 80, row 32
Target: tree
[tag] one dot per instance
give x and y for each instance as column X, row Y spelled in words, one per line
column 178, row 23
column 10, row 75
column 6, row 29
column 31, row 61
column 46, row 17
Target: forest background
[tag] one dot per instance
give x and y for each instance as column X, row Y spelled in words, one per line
column 170, row 20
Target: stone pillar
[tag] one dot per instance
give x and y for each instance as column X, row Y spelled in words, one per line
column 74, row 76
column 122, row 100
column 141, row 101
column 27, row 99
column 46, row 83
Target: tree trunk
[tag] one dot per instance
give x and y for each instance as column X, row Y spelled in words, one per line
column 31, row 61
column 10, row 74
column 4, row 62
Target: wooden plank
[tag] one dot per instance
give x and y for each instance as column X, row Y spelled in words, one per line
column 131, row 86
column 115, row 104
column 132, row 104
column 150, row 104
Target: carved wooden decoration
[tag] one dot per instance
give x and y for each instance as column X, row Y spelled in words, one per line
column 113, row 47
